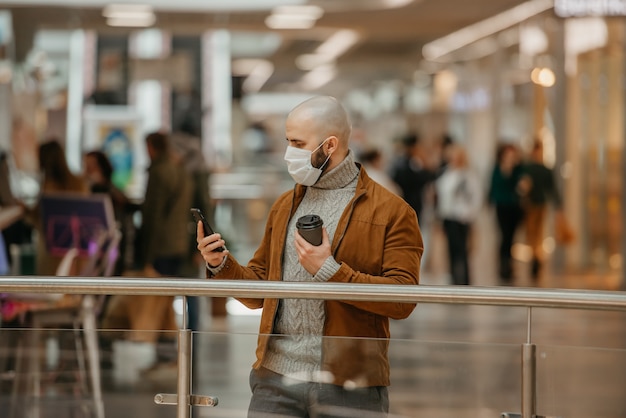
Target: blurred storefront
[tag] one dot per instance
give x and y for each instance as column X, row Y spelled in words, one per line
column 558, row 78
column 532, row 71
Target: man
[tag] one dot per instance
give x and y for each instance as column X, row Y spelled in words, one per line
column 330, row 356
column 416, row 179
column 542, row 190
column 162, row 244
column 165, row 210
column 164, row 234
column 411, row 174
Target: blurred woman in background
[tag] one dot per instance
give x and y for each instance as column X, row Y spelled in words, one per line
column 55, row 177
column 459, row 199
column 98, row 173
column 505, row 193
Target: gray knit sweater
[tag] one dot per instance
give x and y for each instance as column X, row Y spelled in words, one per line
column 295, row 348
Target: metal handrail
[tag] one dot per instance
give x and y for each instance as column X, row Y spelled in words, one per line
column 501, row 296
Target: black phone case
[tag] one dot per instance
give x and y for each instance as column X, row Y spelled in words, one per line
column 198, row 216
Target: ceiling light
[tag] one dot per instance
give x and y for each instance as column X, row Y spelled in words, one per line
column 132, row 22
column 308, row 62
column 321, row 62
column 257, row 72
column 289, row 22
column 437, row 49
column 310, row 11
column 173, row 6
column 396, row 4
column 318, row 77
column 258, row 77
column 543, row 76
column 338, row 43
column 294, row 17
column 126, row 10
column 532, row 40
column 328, row 51
column 129, row 15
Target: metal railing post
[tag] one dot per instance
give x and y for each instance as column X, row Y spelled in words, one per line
column 183, row 399
column 529, row 398
column 183, row 409
column 529, row 369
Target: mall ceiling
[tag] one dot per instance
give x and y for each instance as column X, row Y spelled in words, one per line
column 389, row 42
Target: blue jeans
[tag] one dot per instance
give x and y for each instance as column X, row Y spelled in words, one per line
column 273, row 397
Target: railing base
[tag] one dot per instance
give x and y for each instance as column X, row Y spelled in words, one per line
column 516, row 415
column 194, row 400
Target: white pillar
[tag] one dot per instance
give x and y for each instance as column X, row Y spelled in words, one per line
column 217, row 143
column 75, row 92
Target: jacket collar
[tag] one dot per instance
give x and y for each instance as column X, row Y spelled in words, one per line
column 361, row 188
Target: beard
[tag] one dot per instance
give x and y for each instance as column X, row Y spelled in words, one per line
column 318, row 158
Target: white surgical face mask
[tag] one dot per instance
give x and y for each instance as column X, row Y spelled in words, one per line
column 300, row 167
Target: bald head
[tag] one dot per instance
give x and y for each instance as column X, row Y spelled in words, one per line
column 327, row 117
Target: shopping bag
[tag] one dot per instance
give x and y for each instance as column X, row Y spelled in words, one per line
column 563, row 232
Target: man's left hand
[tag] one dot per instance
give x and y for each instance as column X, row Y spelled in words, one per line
column 312, row 257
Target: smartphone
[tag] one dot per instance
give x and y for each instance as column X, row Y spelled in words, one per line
column 198, row 216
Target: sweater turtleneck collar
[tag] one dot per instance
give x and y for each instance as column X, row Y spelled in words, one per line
column 340, row 176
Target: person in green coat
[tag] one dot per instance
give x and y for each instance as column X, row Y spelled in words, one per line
column 505, row 195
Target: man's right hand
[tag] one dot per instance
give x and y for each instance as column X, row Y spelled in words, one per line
column 206, row 245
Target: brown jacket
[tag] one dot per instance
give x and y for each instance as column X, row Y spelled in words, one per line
column 377, row 241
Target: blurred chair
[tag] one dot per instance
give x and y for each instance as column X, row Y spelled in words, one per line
column 79, row 317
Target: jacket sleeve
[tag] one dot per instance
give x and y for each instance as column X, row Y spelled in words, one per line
column 232, row 270
column 256, row 268
column 402, row 253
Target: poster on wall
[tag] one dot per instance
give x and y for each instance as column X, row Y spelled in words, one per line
column 116, row 131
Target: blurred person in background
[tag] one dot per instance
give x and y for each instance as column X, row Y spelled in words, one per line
column 374, row 165
column 542, row 190
column 165, row 209
column 164, row 234
column 55, row 177
column 98, row 172
column 188, row 151
column 370, row 236
column 459, row 199
column 412, row 173
column 505, row 194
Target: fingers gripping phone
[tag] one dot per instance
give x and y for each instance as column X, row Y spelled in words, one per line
column 198, row 216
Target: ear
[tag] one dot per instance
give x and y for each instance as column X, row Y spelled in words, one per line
column 332, row 144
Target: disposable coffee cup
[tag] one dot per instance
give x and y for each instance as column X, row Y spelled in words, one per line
column 310, row 227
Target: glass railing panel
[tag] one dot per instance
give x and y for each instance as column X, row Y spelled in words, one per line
column 577, row 382
column 452, row 379
column 428, row 378
column 445, row 361
column 221, row 368
column 463, row 323
column 47, row 373
column 583, row 328
column 450, row 361
column 581, row 358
